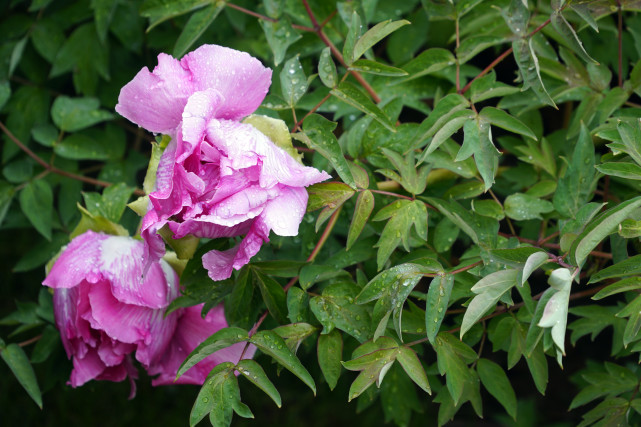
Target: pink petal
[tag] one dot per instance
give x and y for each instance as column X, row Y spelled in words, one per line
column 78, row 261
column 284, row 213
column 239, row 78
column 219, row 264
column 200, row 107
column 155, row 101
column 86, row 368
column 208, row 230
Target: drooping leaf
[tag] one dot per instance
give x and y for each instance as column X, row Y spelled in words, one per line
column 496, row 382
column 15, row 357
column 255, row 373
column 330, row 353
column 197, row 24
column 351, row 95
column 362, row 211
column 219, row 340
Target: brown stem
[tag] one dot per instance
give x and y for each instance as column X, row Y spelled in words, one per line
column 553, row 245
column 54, row 169
column 459, row 270
column 312, row 111
column 250, row 12
column 29, row 341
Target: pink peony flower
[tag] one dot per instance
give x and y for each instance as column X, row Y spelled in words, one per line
column 217, row 177
column 106, row 313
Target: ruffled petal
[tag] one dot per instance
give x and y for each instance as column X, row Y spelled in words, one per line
column 80, row 260
column 200, row 107
column 241, row 79
column 284, row 213
column 199, row 228
column 86, row 368
column 192, row 330
column 155, row 101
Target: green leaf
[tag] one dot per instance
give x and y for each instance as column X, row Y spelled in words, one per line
column 5, row 92
column 428, row 62
column 438, row 297
column 445, row 234
column 471, row 46
column 628, row 267
column 330, row 353
column 327, row 69
column 36, row 202
column 555, row 315
column 279, row 268
column 273, row 296
column 516, row 16
column 354, row 32
column 496, row 382
column 516, row 257
column 534, row 261
column 335, row 308
column 212, row 398
column 351, row 95
column 413, row 367
column 456, row 121
column 452, row 357
column 273, row 345
column 443, row 111
column 80, row 146
column 15, row 357
column 522, row 207
column 373, row 67
column 575, row 188
column 199, row 21
column 501, row 119
column 488, row 290
column 330, row 194
column 103, row 14
column 529, row 66
column 293, row 81
column 629, row 284
column 362, row 211
column 375, row 34
column 600, row 227
column 294, row 334
column 255, row 373
column 398, row 397
column 488, row 208
column 218, row 341
column 46, row 344
column 568, row 34
column 320, row 137
column 280, row 36
column 624, row 170
column 538, row 366
column 631, row 138
column 478, row 141
column 401, row 215
column 74, row 114
column 159, row 11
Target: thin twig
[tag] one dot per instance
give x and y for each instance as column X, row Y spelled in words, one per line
column 53, row 169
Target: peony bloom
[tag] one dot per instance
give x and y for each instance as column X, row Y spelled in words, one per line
column 106, row 313
column 218, row 177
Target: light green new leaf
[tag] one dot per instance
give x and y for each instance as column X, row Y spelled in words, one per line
column 496, row 382
column 362, row 211
column 534, row 261
column 600, row 227
column 351, row 95
column 74, row 114
column 438, row 297
column 273, row 345
column 196, row 26
column 488, row 291
column 15, row 357
column 255, row 373
column 327, row 69
column 555, row 315
column 219, row 340
column 375, row 34
column 320, row 137
column 330, row 353
column 36, row 202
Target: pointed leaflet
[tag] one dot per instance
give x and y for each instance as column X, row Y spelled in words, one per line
column 555, row 314
column 413, row 179
column 293, row 81
column 204, row 402
column 196, row 26
column 335, row 308
column 428, row 62
column 456, row 121
column 272, row 344
column 631, row 138
column 574, row 189
column 353, row 34
column 401, row 215
column 496, row 382
column 74, row 114
column 600, row 227
column 378, row 68
column 351, row 95
column 629, row 284
column 330, row 353
column 453, row 357
column 443, row 111
column 15, row 357
column 566, row 31
column 529, row 67
column 376, row 34
column 500, row 118
column 413, row 367
column 327, row 69
column 628, row 267
column 320, row 137
column 273, row 296
column 523, row 207
column 534, row 261
column 221, row 339
column 489, row 289
column 255, row 373
column 478, row 141
column 362, row 211
column 438, row 297
column 329, row 194
column 36, row 202
column 280, row 35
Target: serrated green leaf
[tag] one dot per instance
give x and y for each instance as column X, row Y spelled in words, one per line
column 362, row 211
column 219, row 340
column 197, row 24
column 36, row 202
column 273, row 345
column 351, row 95
column 330, row 353
column 252, row 370
column 496, row 382
column 15, row 357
